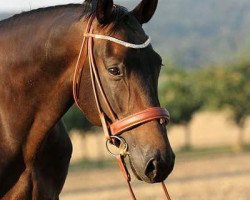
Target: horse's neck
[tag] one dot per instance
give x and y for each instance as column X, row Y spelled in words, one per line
column 44, row 55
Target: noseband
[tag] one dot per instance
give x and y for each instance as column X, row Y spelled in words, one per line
column 117, row 126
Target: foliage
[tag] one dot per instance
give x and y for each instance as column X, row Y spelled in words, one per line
column 74, row 119
column 236, row 92
column 209, row 86
column 177, row 94
column 214, row 88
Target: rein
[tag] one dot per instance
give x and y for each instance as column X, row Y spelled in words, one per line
column 113, row 130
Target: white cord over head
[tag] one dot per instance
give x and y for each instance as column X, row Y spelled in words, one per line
column 123, row 43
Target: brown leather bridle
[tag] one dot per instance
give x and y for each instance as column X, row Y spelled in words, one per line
column 118, row 126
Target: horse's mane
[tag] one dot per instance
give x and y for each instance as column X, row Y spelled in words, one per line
column 87, row 9
column 44, row 10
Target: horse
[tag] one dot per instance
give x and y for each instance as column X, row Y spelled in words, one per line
column 39, row 51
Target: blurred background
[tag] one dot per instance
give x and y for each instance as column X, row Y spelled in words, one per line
column 205, row 84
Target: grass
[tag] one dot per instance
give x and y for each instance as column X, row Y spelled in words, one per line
column 190, row 152
column 182, row 155
column 92, row 164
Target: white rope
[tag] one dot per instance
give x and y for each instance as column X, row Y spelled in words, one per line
column 123, row 43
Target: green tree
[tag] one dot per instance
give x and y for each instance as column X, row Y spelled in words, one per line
column 208, row 85
column 226, row 87
column 176, row 92
column 74, row 119
column 237, row 95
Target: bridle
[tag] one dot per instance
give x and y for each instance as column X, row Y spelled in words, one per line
column 118, row 126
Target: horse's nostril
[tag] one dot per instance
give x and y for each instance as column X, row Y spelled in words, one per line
column 151, row 168
column 158, row 169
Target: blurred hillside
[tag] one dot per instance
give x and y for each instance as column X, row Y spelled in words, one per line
column 194, row 33
column 198, row 32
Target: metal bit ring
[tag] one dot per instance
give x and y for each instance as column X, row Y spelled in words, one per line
column 123, row 146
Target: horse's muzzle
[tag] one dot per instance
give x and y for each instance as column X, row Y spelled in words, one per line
column 157, row 169
column 155, row 166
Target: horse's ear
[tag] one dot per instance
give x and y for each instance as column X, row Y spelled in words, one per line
column 145, row 10
column 104, row 10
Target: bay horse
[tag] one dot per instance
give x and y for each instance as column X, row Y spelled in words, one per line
column 39, row 50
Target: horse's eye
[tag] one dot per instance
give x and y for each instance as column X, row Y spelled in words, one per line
column 114, row 71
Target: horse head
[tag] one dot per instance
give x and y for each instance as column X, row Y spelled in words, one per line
column 129, row 78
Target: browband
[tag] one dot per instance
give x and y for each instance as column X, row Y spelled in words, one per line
column 121, row 42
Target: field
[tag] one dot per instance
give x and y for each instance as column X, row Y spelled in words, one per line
column 217, row 177
column 214, row 172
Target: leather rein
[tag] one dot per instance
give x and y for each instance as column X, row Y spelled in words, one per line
column 113, row 130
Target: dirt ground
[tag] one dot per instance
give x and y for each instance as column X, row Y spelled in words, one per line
column 218, row 177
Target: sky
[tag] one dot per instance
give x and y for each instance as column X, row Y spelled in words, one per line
column 25, row 5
